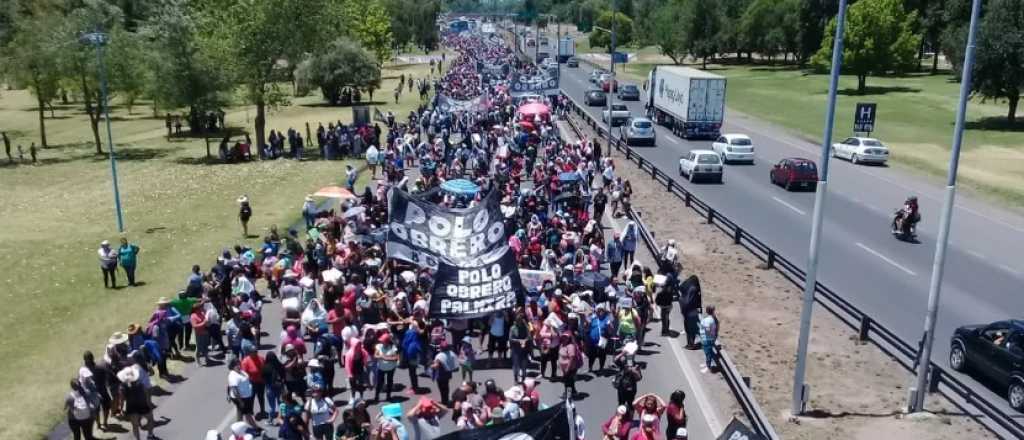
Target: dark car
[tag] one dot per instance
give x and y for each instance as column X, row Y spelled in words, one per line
column 795, row 172
column 995, row 351
column 572, row 62
column 595, row 98
column 629, row 92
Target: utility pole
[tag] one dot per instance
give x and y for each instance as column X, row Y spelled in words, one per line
column 924, row 357
column 800, row 391
column 536, row 39
column 99, row 40
column 610, row 97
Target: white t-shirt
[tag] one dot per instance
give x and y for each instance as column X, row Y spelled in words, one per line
column 320, row 410
column 240, row 381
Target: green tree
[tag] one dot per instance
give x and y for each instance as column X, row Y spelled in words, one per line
column 369, row 23
column 933, row 23
column 879, row 39
column 704, row 28
column 78, row 60
column 999, row 63
column 730, row 36
column 669, row 30
column 769, row 27
column 251, row 39
column 30, row 61
column 623, row 30
column 345, row 64
column 814, row 16
column 180, row 74
column 126, row 65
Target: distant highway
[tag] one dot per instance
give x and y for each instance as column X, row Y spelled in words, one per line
column 886, row 278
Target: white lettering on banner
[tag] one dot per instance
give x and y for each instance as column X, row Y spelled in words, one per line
column 477, row 306
column 414, row 214
column 477, row 243
column 418, row 238
column 452, row 241
column 439, row 226
column 400, row 231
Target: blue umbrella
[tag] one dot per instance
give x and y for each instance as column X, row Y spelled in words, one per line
column 568, row 177
column 460, row 187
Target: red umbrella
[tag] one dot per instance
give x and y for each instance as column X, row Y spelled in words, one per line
column 534, row 108
column 526, row 125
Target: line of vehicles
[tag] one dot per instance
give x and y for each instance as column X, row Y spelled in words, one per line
column 692, row 106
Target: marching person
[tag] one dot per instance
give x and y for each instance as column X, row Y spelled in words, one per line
column 244, row 214
column 690, row 307
column 708, row 337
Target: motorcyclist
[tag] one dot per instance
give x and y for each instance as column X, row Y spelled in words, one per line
column 909, row 211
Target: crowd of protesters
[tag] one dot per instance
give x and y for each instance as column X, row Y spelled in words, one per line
column 356, row 323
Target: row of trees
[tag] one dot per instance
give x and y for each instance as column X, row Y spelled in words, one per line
column 200, row 55
column 882, row 36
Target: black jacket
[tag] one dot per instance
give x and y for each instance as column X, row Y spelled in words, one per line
column 690, row 295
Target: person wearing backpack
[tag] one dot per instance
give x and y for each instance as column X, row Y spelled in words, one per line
column 320, row 413
column 625, row 383
column 81, row 410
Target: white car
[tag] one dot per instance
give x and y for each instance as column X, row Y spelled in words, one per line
column 734, row 148
column 861, row 150
column 620, row 113
column 701, row 163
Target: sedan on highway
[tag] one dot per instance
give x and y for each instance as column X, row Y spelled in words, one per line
column 995, row 351
column 794, row 172
column 595, row 98
column 629, row 92
column 700, row 164
column 638, row 131
column 620, row 113
column 861, row 150
column 734, row 148
column 572, row 62
column 595, row 75
column 608, row 84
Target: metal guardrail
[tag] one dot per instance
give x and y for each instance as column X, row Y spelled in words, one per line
column 738, row 384
column 953, row 389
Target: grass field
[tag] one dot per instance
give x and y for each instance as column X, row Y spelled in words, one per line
column 179, row 208
column 915, row 119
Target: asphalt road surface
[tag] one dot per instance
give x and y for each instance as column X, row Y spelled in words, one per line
column 886, row 278
column 198, row 404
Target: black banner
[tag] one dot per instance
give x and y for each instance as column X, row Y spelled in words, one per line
column 550, row 424
column 738, row 431
column 426, row 234
column 471, row 292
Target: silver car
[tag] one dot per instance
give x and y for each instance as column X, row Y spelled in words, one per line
column 638, row 131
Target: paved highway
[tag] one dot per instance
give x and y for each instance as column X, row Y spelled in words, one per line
column 886, row 278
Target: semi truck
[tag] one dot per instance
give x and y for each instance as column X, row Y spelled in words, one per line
column 566, row 48
column 689, row 101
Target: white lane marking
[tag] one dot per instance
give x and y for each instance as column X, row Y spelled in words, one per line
column 1009, row 269
column 799, row 145
column 710, row 415
column 886, row 259
column 976, row 254
column 709, row 411
column 784, row 203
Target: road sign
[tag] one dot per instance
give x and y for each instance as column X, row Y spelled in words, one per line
column 620, row 57
column 864, row 117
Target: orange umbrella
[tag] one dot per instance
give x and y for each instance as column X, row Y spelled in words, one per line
column 334, row 192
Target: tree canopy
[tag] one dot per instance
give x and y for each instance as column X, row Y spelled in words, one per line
column 999, row 64
column 879, row 39
column 623, row 26
column 345, row 64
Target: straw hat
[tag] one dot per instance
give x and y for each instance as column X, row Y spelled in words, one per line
column 243, row 199
column 133, row 328
column 128, row 375
column 117, row 338
column 309, row 197
column 163, row 301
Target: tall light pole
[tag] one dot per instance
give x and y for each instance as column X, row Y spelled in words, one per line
column 800, row 391
column 924, row 357
column 99, row 41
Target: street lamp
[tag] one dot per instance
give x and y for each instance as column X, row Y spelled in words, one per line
column 99, row 40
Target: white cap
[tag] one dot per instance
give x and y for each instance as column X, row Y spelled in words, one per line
column 621, row 409
column 649, row 419
column 681, row 432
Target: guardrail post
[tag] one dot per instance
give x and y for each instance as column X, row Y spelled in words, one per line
column 627, row 154
column 746, row 381
column 654, row 172
column 686, row 198
column 711, row 216
column 934, row 378
column 738, row 236
column 865, row 328
column 771, row 259
column 668, row 182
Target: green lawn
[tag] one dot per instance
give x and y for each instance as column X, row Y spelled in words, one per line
column 915, row 119
column 178, row 208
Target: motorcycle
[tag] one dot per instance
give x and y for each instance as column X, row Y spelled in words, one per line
column 904, row 229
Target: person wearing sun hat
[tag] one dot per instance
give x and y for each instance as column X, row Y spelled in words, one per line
column 108, row 264
column 309, row 211
column 137, row 406
column 618, row 425
column 244, row 214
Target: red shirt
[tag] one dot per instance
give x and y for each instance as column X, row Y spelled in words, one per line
column 198, row 320
column 639, row 434
column 337, row 325
column 253, row 366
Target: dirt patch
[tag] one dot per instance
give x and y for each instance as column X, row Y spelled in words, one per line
column 857, row 392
